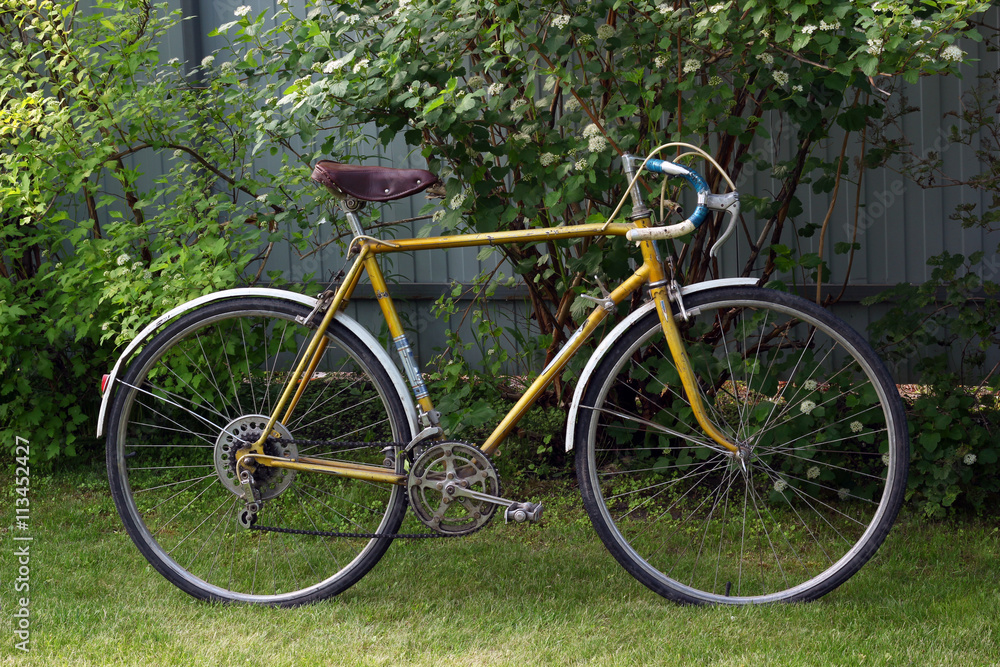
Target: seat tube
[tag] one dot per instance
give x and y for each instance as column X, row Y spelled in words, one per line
column 399, row 339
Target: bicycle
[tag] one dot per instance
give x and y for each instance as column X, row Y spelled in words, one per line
column 734, row 444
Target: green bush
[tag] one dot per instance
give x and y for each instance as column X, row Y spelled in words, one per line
column 523, row 107
column 520, row 106
column 91, row 248
column 954, row 413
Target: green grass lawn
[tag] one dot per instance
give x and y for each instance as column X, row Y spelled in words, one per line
column 509, row 595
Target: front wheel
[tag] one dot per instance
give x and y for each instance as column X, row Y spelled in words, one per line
column 204, row 387
column 816, row 415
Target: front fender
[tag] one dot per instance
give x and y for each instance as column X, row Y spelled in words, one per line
column 619, row 331
column 350, row 323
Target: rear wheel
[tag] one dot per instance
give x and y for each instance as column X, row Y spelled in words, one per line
column 813, row 409
column 202, row 388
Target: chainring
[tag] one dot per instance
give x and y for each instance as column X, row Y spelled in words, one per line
column 437, row 473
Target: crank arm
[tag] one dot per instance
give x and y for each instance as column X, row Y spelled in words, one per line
column 516, row 511
column 456, row 490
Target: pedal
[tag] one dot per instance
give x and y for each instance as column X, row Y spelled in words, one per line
column 521, row 512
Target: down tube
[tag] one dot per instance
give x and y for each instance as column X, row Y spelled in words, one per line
column 634, row 282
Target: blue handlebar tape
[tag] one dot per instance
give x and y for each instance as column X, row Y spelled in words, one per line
column 693, row 177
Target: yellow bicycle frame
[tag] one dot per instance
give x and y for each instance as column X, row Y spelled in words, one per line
column 367, row 248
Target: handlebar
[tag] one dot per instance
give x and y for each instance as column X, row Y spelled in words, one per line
column 729, row 202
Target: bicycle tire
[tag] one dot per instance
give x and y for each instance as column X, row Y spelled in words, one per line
column 818, row 414
column 211, row 376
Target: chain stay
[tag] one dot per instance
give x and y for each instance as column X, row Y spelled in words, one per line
column 340, row 445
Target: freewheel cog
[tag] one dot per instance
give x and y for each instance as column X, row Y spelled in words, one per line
column 239, row 434
column 438, row 474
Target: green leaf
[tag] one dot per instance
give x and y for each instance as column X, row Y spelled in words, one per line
column 929, row 440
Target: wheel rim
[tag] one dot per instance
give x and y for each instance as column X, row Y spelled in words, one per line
column 808, row 501
column 171, row 460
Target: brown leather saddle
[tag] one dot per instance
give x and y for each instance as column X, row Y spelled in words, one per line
column 371, row 183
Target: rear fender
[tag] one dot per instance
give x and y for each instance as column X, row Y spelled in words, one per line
column 369, row 341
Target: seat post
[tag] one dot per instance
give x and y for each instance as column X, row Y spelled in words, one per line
column 349, row 206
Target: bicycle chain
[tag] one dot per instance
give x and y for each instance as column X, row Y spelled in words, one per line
column 338, row 445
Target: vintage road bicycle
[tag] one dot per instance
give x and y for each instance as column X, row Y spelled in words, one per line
column 734, row 444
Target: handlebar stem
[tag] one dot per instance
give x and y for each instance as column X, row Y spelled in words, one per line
column 639, row 208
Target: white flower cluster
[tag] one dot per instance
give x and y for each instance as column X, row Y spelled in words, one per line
column 404, row 5
column 661, row 61
column 605, row 31
column 495, row 88
column 519, row 107
column 691, row 65
column 780, row 485
column 207, row 61
column 591, row 131
column 242, row 10
column 809, row 385
column 360, row 65
column 952, row 54
column 547, row 159
column 438, row 216
column 597, row 144
column 335, row 65
column 885, row 459
column 834, row 25
column 875, row 46
column 807, row 407
column 780, row 77
column 766, row 58
column 808, row 29
column 560, row 20
column 571, row 105
column 581, row 165
column 844, row 494
column 475, row 82
column 813, row 472
column 969, row 459
column 857, row 427
column 351, row 19
column 715, row 81
column 457, row 201
column 123, row 259
column 715, row 9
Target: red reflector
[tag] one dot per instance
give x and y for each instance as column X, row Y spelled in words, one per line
column 104, row 382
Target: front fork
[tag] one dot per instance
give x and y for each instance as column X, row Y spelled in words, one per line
column 659, row 293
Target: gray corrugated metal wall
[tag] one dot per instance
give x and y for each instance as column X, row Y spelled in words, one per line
column 901, row 224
